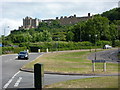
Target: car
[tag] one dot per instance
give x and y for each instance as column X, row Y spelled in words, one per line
column 107, row 47
column 23, row 55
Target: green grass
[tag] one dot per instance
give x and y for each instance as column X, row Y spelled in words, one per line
column 96, row 82
column 71, row 62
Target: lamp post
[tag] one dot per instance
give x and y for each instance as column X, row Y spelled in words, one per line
column 4, row 34
column 80, row 34
column 90, row 41
column 95, row 46
column 58, row 43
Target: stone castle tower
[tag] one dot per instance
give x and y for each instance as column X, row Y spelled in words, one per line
column 28, row 23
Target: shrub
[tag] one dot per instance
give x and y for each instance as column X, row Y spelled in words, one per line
column 60, row 46
column 6, row 50
column 102, row 43
column 117, row 43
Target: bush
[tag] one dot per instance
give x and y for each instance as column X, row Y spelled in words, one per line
column 117, row 43
column 102, row 43
column 6, row 50
column 60, row 46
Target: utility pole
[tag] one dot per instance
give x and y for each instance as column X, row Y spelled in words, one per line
column 4, row 35
column 90, row 41
column 80, row 33
column 95, row 45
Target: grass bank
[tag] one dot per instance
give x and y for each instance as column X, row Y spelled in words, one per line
column 97, row 82
column 71, row 62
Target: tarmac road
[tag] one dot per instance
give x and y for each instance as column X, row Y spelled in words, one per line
column 109, row 55
column 10, row 67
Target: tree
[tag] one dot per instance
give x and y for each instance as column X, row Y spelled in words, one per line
column 46, row 36
column 70, row 36
column 113, row 33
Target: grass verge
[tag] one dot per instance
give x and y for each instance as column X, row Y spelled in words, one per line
column 97, row 82
column 71, row 62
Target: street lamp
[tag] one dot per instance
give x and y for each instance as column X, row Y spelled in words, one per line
column 80, row 34
column 4, row 34
column 90, row 41
column 95, row 46
column 58, row 43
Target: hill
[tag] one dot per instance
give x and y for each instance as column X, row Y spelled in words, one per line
column 113, row 14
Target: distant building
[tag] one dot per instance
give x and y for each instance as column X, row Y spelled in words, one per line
column 69, row 20
column 29, row 23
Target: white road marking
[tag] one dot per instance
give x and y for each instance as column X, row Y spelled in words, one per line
column 8, row 83
column 18, row 82
column 112, row 52
column 8, row 60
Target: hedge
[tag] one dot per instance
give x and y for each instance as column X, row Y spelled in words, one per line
column 55, row 46
column 6, row 50
column 60, row 46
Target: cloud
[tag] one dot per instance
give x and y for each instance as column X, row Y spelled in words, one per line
column 9, row 24
column 14, row 11
column 60, row 0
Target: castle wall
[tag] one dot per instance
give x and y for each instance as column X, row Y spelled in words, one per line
column 28, row 22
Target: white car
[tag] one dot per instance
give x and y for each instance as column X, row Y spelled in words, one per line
column 107, row 47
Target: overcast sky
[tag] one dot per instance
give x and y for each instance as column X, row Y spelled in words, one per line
column 13, row 12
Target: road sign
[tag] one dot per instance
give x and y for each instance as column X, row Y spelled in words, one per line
column 98, row 61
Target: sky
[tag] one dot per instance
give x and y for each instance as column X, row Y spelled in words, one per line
column 12, row 12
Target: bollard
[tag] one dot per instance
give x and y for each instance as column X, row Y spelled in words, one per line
column 38, row 50
column 38, row 76
column 47, row 50
column 27, row 51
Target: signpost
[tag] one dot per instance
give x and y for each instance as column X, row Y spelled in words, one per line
column 98, row 61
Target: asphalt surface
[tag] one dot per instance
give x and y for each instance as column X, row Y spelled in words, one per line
column 109, row 56
column 10, row 67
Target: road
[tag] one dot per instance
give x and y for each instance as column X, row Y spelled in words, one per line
column 109, row 55
column 11, row 65
column 13, row 78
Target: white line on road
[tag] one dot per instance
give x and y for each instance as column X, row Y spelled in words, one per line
column 8, row 83
column 18, row 81
column 112, row 52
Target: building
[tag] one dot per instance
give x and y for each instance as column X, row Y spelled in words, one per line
column 29, row 23
column 69, row 20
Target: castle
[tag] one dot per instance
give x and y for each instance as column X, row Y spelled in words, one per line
column 29, row 23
